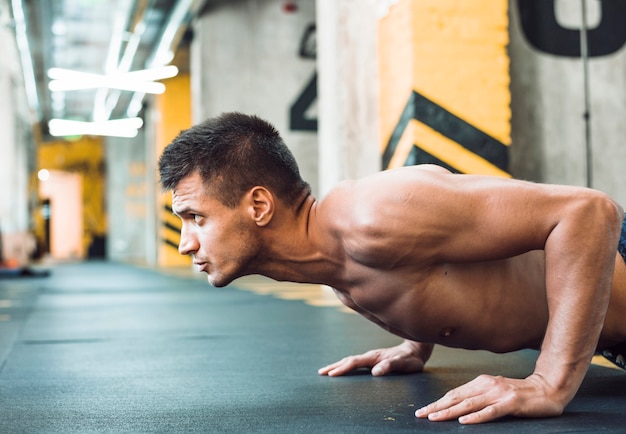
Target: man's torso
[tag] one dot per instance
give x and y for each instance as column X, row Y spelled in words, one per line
column 495, row 305
column 498, row 306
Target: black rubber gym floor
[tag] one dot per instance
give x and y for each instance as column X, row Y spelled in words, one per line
column 101, row 347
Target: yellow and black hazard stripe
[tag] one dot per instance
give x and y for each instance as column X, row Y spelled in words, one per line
column 171, row 228
column 446, row 140
column 444, row 85
column 174, row 107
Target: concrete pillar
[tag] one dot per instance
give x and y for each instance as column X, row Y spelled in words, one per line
column 348, row 91
column 129, row 198
column 247, row 56
column 169, row 115
column 17, row 152
column 552, row 89
column 444, row 95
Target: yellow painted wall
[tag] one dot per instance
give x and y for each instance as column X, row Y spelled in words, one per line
column 84, row 156
column 174, row 112
column 453, row 54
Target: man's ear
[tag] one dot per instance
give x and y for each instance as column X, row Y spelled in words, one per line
column 261, row 205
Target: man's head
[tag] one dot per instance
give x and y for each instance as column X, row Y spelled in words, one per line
column 233, row 153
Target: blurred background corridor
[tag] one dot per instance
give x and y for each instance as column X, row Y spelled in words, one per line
column 93, row 90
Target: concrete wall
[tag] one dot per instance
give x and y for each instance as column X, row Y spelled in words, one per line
column 436, row 49
column 245, row 57
column 348, row 91
column 16, row 151
column 129, row 198
column 548, row 83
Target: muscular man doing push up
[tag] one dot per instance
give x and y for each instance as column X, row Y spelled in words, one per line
column 464, row 261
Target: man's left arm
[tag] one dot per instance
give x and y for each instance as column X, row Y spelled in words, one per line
column 580, row 252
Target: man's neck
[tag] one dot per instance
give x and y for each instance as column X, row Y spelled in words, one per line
column 294, row 250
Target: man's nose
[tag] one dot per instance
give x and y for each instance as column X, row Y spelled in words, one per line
column 188, row 242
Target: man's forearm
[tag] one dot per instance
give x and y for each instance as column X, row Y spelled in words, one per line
column 422, row 350
column 580, row 263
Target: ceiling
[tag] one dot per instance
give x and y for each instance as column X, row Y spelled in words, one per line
column 101, row 37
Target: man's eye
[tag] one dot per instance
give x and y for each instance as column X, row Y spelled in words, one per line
column 196, row 218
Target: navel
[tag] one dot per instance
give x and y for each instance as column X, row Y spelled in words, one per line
column 447, row 332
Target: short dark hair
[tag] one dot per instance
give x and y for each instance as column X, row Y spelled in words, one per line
column 233, row 153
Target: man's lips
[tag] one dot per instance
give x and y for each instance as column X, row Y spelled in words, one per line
column 202, row 266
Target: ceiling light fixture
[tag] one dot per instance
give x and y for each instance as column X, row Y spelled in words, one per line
column 144, row 80
column 180, row 17
column 113, row 128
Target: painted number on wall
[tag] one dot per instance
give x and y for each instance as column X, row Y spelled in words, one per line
column 543, row 31
column 299, row 117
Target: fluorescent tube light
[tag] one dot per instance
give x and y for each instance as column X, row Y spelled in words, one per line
column 107, row 82
column 135, row 81
column 153, row 74
column 115, row 128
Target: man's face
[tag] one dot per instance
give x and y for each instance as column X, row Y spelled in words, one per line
column 221, row 240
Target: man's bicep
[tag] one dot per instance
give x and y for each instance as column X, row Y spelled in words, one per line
column 417, row 217
column 505, row 217
column 482, row 218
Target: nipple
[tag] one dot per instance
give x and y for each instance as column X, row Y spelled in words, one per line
column 447, row 332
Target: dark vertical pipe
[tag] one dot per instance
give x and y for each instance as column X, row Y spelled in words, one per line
column 587, row 110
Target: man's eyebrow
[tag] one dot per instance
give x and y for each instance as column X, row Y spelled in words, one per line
column 181, row 212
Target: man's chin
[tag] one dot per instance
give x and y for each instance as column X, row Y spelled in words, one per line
column 218, row 282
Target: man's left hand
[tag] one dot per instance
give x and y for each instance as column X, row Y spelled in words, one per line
column 487, row 398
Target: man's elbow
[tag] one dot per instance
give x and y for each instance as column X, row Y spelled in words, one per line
column 603, row 208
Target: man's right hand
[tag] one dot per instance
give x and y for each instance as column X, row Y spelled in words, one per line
column 406, row 358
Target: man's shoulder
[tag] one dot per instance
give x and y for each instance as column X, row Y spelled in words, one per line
column 357, row 221
column 366, row 198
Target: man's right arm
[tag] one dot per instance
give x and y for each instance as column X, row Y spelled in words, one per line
column 407, row 357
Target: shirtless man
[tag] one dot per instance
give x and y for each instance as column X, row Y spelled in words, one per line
column 437, row 258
